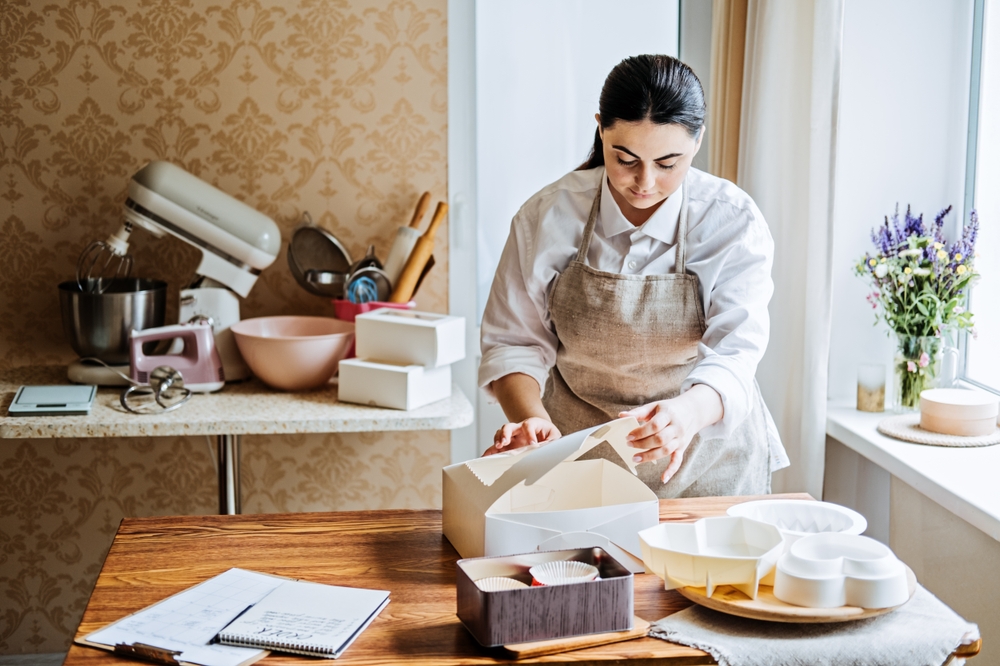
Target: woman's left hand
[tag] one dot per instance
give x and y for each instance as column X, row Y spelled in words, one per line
column 666, row 427
column 663, row 431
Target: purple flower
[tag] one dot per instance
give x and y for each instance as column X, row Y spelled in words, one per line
column 939, row 225
column 913, row 226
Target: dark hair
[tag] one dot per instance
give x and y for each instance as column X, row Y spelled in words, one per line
column 655, row 87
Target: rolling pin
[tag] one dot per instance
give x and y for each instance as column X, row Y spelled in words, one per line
column 406, row 238
column 403, row 291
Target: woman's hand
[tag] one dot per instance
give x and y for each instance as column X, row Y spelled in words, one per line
column 533, row 430
column 668, row 426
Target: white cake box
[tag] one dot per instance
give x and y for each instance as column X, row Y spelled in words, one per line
column 409, row 337
column 958, row 412
column 391, row 385
column 548, row 498
column 723, row 550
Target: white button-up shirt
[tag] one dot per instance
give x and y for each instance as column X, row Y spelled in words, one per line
column 729, row 248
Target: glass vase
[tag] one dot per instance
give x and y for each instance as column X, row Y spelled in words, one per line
column 917, row 366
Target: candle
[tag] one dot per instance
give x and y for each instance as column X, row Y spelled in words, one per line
column 871, row 387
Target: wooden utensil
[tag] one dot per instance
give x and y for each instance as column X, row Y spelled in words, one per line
column 540, row 648
column 406, row 239
column 404, row 286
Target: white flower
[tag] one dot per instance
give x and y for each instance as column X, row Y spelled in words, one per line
column 881, row 270
column 921, row 271
column 910, row 253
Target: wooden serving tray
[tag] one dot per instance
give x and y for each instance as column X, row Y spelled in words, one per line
column 766, row 606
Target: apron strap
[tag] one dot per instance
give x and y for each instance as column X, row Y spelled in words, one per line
column 682, row 226
column 588, row 231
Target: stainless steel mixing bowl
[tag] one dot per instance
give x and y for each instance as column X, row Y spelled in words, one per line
column 99, row 324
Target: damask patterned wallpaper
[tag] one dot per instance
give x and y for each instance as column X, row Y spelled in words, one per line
column 328, row 106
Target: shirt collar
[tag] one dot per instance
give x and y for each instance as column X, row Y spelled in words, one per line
column 662, row 225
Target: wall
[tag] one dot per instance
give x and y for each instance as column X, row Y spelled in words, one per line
column 540, row 68
column 335, row 107
column 902, row 140
column 945, row 552
column 947, row 556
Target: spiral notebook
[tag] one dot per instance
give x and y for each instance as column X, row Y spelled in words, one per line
column 306, row 618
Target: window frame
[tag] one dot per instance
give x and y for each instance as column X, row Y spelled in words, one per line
column 971, row 165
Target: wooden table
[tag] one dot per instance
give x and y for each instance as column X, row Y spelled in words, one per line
column 241, row 408
column 400, row 551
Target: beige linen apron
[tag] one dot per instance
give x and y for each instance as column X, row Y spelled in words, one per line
column 628, row 340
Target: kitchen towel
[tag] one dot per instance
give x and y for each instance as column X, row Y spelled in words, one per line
column 923, row 631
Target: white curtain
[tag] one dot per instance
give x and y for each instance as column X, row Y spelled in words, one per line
column 788, row 135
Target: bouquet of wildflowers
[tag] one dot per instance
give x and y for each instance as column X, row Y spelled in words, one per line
column 920, row 281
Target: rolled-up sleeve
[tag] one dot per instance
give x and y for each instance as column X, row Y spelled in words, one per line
column 516, row 334
column 732, row 251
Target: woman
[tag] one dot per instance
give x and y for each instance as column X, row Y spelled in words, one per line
column 638, row 286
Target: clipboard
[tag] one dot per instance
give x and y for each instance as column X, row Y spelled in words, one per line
column 152, row 654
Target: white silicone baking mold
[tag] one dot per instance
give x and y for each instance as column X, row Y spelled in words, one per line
column 798, row 518
column 831, row 570
column 725, row 550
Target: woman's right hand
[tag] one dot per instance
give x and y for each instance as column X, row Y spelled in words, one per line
column 533, row 430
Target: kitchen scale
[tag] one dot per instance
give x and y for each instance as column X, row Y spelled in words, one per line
column 52, row 400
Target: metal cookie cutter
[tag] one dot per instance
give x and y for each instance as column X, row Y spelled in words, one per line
column 166, row 385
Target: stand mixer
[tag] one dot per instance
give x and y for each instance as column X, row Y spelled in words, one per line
column 236, row 241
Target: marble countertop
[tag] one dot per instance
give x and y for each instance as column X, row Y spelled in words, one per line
column 962, row 480
column 241, row 408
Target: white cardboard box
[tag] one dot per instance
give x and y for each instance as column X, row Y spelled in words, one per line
column 410, row 337
column 391, row 385
column 545, row 498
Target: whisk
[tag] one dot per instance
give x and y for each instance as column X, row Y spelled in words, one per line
column 101, row 262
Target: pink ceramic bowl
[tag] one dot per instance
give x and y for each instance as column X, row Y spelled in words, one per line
column 293, row 353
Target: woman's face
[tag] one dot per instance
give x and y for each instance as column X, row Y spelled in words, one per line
column 646, row 163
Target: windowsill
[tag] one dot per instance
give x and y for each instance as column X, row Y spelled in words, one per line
column 962, row 480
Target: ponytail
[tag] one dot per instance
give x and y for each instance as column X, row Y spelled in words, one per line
column 596, row 157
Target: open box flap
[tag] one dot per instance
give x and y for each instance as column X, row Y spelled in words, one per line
column 500, row 473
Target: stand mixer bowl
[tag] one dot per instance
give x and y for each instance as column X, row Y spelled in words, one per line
column 98, row 324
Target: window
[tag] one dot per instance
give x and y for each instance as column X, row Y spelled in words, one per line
column 982, row 351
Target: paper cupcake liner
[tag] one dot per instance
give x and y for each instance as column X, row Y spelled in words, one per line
column 499, row 583
column 562, row 573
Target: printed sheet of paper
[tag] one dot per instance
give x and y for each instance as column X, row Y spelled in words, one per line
column 188, row 621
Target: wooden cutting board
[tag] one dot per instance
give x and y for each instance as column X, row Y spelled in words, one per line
column 540, row 648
